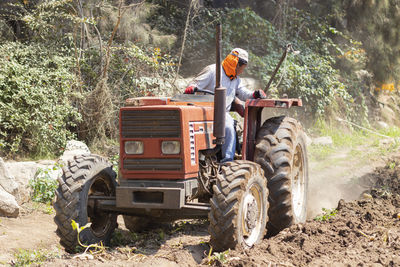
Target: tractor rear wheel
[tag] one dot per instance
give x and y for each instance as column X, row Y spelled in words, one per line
column 282, row 153
column 83, row 177
column 135, row 223
column 239, row 206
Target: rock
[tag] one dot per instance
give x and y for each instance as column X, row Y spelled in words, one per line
column 22, row 172
column 73, row 148
column 387, row 141
column 7, row 181
column 382, row 125
column 76, row 145
column 8, row 205
column 47, row 162
column 309, row 141
column 323, row 141
column 48, row 171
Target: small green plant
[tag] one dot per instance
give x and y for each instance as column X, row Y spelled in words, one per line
column 25, row 257
column 43, row 185
column 392, row 165
column 326, row 215
column 221, row 257
column 46, row 208
column 161, row 235
column 98, row 248
column 115, row 162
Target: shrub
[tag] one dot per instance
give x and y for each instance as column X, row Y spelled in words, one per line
column 36, row 112
column 43, row 185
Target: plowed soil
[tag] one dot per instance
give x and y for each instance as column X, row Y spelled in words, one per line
column 364, row 232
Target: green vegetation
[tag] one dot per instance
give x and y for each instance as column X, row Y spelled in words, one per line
column 35, row 93
column 327, row 215
column 95, row 248
column 43, row 186
column 26, row 257
column 217, row 257
column 354, row 142
column 67, row 65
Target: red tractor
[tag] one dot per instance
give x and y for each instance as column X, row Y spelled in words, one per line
column 169, row 169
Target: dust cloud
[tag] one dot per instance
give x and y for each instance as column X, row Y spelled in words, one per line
column 338, row 178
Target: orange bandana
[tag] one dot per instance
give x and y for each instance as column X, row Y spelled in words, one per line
column 229, row 64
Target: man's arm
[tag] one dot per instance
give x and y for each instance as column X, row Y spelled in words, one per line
column 203, row 81
column 243, row 93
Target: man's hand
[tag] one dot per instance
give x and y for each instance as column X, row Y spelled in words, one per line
column 189, row 90
column 259, row 94
column 238, row 107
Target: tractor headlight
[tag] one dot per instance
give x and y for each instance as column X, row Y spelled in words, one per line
column 134, row 147
column 171, row 147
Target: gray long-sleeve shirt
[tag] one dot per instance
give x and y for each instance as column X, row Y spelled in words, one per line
column 205, row 80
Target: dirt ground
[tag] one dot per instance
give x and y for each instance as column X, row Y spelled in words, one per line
column 364, row 232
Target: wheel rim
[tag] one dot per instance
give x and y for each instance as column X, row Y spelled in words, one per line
column 298, row 184
column 251, row 215
column 100, row 221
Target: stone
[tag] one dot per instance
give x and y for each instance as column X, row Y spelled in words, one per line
column 22, row 172
column 73, row 148
column 308, row 140
column 76, row 145
column 7, row 181
column 323, row 141
column 387, row 141
column 8, row 205
column 382, row 125
column 49, row 171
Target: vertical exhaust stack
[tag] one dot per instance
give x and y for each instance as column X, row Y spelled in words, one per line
column 220, row 94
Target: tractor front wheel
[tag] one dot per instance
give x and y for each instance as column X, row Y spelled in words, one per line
column 85, row 176
column 239, row 206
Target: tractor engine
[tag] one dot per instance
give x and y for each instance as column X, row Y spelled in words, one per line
column 160, row 140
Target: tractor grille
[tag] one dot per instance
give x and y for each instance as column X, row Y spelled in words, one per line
column 150, row 123
column 153, row 164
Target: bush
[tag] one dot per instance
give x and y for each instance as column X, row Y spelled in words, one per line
column 43, row 186
column 311, row 75
column 36, row 113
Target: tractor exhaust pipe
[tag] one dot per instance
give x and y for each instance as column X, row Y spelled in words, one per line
column 220, row 94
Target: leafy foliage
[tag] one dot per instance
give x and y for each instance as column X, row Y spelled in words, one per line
column 43, row 186
column 310, row 75
column 25, row 257
column 327, row 215
column 36, row 112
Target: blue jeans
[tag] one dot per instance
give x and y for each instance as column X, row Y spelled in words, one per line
column 229, row 147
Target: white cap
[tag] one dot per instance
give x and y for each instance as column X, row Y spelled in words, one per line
column 241, row 53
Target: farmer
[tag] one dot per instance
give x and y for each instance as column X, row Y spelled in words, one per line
column 233, row 65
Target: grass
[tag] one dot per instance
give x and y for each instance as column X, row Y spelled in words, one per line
column 45, row 208
column 26, row 257
column 327, row 215
column 355, row 143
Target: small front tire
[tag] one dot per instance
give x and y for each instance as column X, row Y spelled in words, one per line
column 239, row 206
column 84, row 176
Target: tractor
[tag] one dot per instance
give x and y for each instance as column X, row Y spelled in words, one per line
column 169, row 169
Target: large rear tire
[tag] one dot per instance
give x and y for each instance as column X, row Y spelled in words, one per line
column 239, row 206
column 281, row 151
column 136, row 224
column 84, row 176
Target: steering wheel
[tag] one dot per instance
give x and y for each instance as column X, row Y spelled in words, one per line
column 203, row 91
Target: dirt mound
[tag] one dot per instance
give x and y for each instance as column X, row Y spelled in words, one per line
column 362, row 232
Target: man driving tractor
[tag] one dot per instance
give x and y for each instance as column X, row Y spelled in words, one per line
column 233, row 65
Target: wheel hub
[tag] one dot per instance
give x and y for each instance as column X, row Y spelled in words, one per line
column 251, row 213
column 298, row 184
